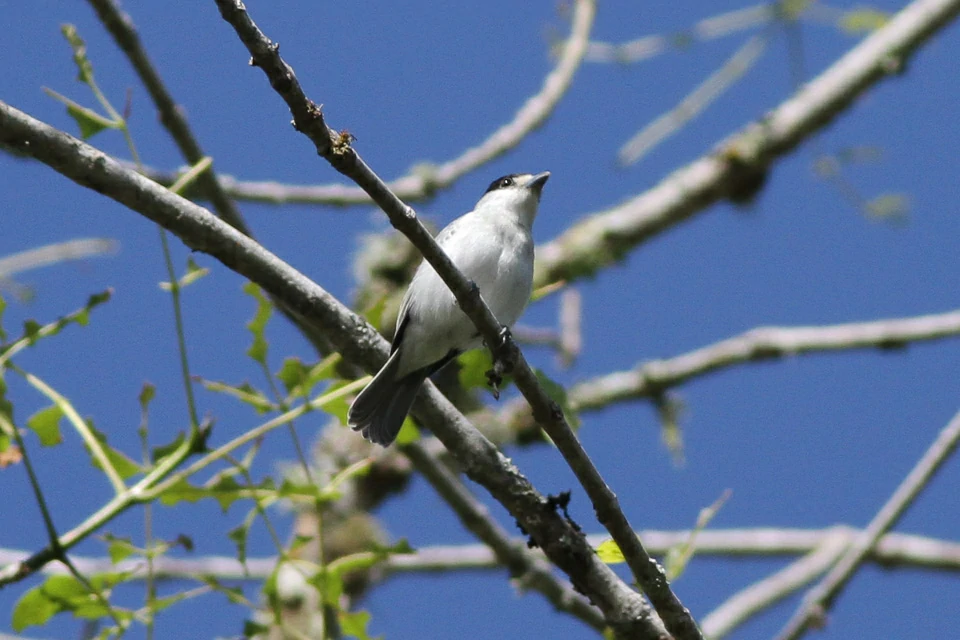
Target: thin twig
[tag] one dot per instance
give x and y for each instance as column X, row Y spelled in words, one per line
column 736, row 167
column 819, row 600
column 696, row 101
column 710, row 28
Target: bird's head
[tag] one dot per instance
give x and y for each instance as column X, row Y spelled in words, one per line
column 517, row 194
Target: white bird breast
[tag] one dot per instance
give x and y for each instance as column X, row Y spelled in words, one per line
column 495, row 253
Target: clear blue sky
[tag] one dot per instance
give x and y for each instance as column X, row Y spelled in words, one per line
column 806, row 442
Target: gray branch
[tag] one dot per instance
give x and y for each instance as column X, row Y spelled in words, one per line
column 737, row 167
column 818, row 600
column 763, row 343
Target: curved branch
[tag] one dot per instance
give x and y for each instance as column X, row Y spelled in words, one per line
column 737, row 167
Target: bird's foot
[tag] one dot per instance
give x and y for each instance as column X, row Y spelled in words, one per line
column 500, row 364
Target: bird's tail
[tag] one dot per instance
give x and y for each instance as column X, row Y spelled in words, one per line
column 378, row 412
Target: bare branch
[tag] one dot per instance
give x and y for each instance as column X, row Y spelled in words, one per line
column 696, row 101
column 763, row 343
column 711, row 28
column 819, row 599
column 624, row 610
column 893, row 550
column 737, row 167
column 53, row 253
column 765, row 593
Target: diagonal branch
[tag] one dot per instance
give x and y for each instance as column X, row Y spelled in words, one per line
column 819, row 599
column 624, row 610
column 736, row 168
column 335, row 148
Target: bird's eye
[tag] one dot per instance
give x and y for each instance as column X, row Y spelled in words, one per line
column 506, row 182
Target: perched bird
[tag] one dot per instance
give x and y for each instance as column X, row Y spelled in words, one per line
column 493, row 247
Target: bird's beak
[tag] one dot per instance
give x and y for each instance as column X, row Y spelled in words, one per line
column 536, row 182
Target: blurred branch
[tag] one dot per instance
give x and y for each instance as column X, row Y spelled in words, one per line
column 335, row 148
column 893, row 550
column 763, row 594
column 737, row 167
column 624, row 610
column 818, row 600
column 764, row 343
column 53, row 253
column 711, row 28
column 424, row 179
column 696, row 101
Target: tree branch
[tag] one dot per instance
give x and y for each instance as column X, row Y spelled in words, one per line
column 893, row 550
column 737, row 167
column 762, row 343
column 624, row 610
column 819, row 599
column 335, row 148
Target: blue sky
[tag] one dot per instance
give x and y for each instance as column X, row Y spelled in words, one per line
column 804, row 442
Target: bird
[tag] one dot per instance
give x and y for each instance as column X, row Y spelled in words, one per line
column 491, row 246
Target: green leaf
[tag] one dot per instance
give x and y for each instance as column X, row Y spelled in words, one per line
column 670, row 408
column 84, row 66
column 31, row 331
column 258, row 325
column 329, row 585
column 245, row 392
column 119, row 549
column 239, row 536
column 194, row 273
column 473, row 368
column 863, row 20
column 3, row 307
column 558, row 394
column 609, row 552
column 46, row 424
column 147, row 393
column 338, row 407
column 374, row 313
column 125, row 466
column 891, row 207
column 293, row 373
column 162, row 451
column 33, row 609
column 354, row 624
column 409, row 433
column 253, row 629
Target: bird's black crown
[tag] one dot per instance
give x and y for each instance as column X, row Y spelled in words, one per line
column 503, row 182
